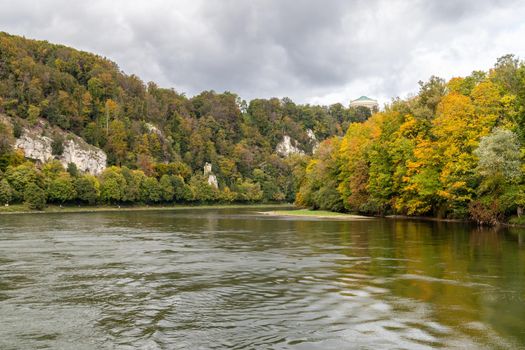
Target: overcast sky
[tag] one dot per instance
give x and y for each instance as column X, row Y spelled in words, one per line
column 322, row 51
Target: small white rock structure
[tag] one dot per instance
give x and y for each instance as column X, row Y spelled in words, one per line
column 86, row 157
column 287, row 147
column 153, row 129
column 313, row 139
column 212, row 179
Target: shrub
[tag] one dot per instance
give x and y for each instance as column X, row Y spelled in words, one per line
column 57, row 145
column 485, row 213
column 6, row 192
column 35, row 197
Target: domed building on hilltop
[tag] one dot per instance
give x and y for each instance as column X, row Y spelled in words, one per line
column 365, row 102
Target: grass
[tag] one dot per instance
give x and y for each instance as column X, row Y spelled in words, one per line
column 314, row 214
column 23, row 209
column 14, row 208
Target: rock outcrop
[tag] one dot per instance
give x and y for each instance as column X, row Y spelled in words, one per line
column 35, row 146
column 153, row 129
column 212, row 179
column 288, row 147
column 86, row 157
column 38, row 147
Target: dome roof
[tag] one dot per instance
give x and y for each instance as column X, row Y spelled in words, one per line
column 364, row 98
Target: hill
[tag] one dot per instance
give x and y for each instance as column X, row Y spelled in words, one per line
column 56, row 92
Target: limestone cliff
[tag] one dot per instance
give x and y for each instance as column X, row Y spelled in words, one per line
column 36, row 145
column 86, row 157
column 288, row 146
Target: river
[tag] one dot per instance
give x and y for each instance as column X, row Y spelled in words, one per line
column 231, row 278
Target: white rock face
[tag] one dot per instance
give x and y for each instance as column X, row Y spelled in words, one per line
column 287, row 147
column 311, row 134
column 87, row 158
column 212, row 179
column 35, row 146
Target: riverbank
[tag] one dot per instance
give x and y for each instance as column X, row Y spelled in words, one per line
column 315, row 214
column 23, row 209
column 324, row 214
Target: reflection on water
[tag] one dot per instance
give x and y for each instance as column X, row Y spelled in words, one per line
column 229, row 278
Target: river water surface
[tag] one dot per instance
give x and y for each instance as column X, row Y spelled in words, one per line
column 230, row 278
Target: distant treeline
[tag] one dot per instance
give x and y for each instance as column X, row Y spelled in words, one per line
column 453, row 151
column 35, row 186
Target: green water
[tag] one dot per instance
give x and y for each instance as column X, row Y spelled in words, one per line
column 230, row 278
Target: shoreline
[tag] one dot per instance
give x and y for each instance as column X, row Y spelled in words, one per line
column 315, row 214
column 286, row 212
column 56, row 209
column 322, row 214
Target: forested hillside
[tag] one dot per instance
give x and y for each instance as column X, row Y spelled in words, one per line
column 454, row 150
column 157, row 139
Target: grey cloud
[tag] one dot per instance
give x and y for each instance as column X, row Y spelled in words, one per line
column 322, row 51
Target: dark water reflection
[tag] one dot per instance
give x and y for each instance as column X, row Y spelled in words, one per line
column 205, row 279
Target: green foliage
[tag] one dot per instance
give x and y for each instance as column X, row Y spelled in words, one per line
column 247, row 191
column 17, row 129
column 72, row 169
column 499, row 168
column 57, row 145
column 6, row 192
column 33, row 113
column 201, row 190
column 6, row 138
column 21, row 176
column 112, row 185
column 61, row 189
column 181, row 191
column 52, row 169
column 454, row 150
column 87, row 189
column 34, row 197
column 319, row 185
column 166, row 188
column 150, row 190
column 499, row 155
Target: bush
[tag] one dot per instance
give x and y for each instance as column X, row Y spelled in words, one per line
column 485, row 213
column 17, row 129
column 87, row 188
column 72, row 169
column 6, row 192
column 35, row 197
column 61, row 189
column 150, row 190
column 57, row 145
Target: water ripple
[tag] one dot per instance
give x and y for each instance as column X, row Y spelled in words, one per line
column 215, row 280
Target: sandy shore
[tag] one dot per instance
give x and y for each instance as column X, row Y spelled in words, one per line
column 315, row 214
